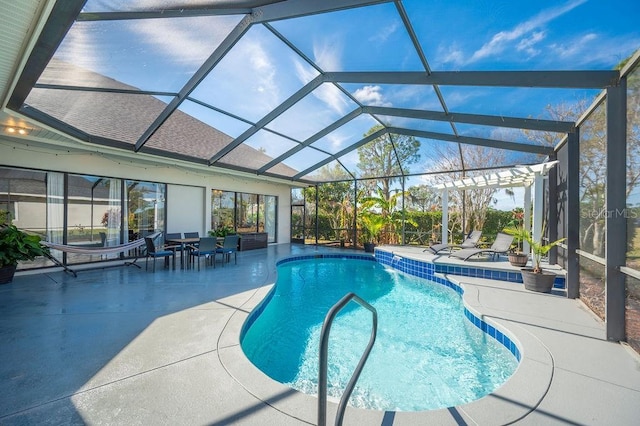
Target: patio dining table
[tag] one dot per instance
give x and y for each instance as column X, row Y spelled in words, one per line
column 184, row 242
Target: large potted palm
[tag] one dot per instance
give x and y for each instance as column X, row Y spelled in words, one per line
column 16, row 246
column 535, row 279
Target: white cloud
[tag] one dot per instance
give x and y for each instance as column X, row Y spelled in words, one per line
column 332, row 97
column 327, row 55
column 184, row 43
column 574, row 47
column 528, row 44
column 500, row 41
column 264, row 70
column 451, row 54
column 593, row 50
column 337, row 140
column 304, row 72
column 371, row 95
column 384, row 33
column 460, row 97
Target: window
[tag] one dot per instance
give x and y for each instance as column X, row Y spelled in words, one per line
column 244, row 212
column 145, row 208
column 223, row 209
column 94, row 215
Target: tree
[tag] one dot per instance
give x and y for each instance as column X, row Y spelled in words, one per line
column 474, row 202
column 335, row 199
column 387, row 214
column 422, row 198
column 386, row 157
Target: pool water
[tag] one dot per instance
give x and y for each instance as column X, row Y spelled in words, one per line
column 427, row 355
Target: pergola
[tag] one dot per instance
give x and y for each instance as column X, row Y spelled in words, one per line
column 530, row 177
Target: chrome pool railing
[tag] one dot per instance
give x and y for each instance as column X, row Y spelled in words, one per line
column 324, row 354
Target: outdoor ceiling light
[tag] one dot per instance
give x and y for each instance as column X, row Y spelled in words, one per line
column 16, row 130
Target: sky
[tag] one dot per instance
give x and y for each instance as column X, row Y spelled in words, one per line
column 262, row 71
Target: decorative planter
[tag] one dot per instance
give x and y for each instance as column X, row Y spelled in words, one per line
column 540, row 282
column 368, row 247
column 6, row 273
column 518, row 259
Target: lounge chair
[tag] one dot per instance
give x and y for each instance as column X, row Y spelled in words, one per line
column 470, row 242
column 501, row 245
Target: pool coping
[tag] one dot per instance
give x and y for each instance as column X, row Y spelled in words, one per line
column 516, row 398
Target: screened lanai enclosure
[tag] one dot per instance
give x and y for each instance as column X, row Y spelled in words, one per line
column 355, row 106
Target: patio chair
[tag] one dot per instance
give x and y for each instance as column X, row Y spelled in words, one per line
column 470, row 242
column 206, row 248
column 192, row 235
column 229, row 246
column 154, row 252
column 169, row 236
column 501, row 245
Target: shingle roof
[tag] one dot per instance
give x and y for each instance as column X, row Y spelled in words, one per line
column 122, row 116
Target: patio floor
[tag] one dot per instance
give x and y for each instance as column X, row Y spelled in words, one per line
column 121, row 345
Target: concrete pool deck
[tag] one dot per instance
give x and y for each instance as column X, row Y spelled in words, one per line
column 125, row 346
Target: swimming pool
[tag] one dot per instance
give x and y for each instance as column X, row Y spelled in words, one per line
column 427, row 355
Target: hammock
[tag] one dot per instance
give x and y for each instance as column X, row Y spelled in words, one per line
column 94, row 250
column 78, row 249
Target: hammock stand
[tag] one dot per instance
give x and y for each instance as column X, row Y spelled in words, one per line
column 94, row 250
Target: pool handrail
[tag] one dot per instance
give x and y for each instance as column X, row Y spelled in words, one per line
column 324, row 354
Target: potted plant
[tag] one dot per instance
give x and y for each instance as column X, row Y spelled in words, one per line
column 372, row 225
column 16, row 246
column 517, row 257
column 536, row 279
column 222, row 231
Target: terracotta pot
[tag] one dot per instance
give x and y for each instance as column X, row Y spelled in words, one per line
column 540, row 282
column 518, row 259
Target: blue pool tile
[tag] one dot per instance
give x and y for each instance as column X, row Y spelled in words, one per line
column 492, row 331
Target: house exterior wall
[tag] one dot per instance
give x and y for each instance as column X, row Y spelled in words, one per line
column 187, row 185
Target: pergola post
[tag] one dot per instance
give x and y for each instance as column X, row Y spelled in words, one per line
column 445, row 215
column 538, row 189
column 527, row 216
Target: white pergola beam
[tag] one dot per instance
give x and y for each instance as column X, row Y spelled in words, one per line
column 515, row 177
column 530, row 177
